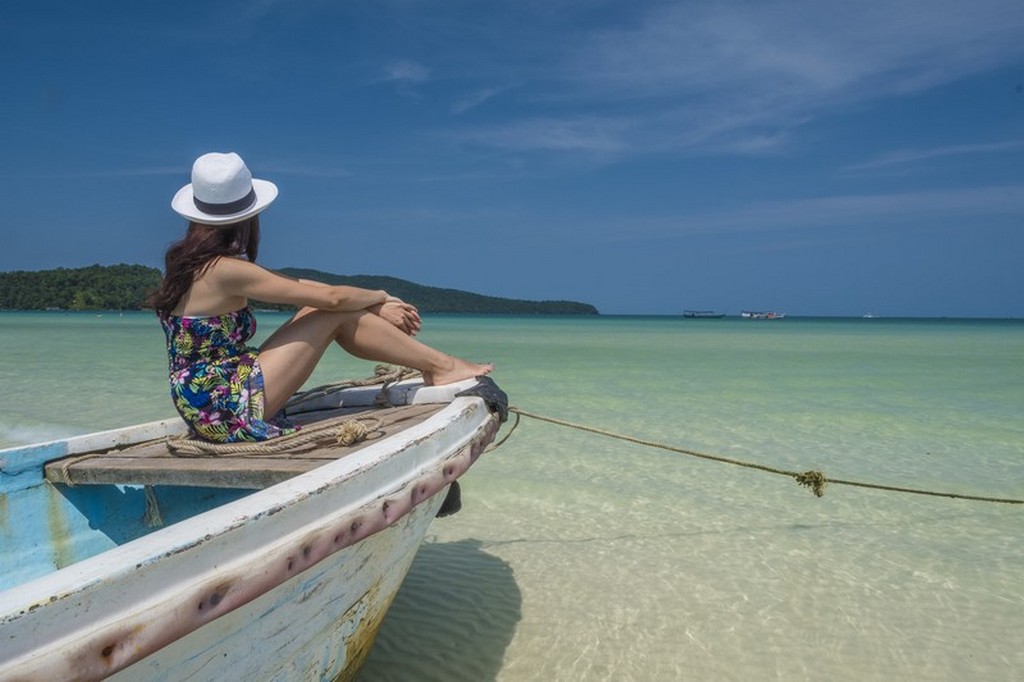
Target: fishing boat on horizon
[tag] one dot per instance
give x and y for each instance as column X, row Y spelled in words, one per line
column 127, row 555
column 761, row 315
column 703, row 314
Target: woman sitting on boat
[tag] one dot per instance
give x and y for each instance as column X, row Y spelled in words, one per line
column 224, row 388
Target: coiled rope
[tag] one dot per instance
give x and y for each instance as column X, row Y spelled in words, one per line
column 813, row 479
column 337, row 431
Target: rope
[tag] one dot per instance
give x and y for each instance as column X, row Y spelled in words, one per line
column 336, row 431
column 512, row 429
column 815, row 480
column 67, row 462
column 152, row 517
column 386, row 375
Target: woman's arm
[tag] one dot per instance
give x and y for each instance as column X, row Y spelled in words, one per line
column 236, row 277
column 394, row 310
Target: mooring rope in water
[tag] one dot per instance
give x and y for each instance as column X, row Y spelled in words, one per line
column 815, row 480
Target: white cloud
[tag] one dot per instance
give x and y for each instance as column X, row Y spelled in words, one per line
column 405, row 71
column 597, row 135
column 913, row 156
column 474, row 99
column 846, row 209
column 735, row 77
column 925, row 207
column 305, row 170
column 128, row 172
column 804, row 48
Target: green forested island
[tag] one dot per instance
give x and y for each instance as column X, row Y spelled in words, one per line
column 125, row 287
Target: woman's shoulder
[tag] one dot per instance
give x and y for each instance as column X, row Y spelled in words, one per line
column 230, row 268
column 230, row 263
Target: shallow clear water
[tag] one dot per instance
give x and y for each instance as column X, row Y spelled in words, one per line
column 577, row 556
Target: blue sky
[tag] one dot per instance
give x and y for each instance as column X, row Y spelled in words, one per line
column 803, row 156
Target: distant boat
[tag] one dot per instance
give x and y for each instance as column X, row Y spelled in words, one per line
column 762, row 315
column 269, row 567
column 702, row 314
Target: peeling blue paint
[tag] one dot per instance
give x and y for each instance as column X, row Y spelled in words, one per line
column 46, row 526
column 22, row 468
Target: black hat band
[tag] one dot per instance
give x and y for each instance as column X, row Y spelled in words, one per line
column 228, row 208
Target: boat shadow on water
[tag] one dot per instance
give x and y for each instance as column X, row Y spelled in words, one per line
column 452, row 619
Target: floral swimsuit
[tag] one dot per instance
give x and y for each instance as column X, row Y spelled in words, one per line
column 216, row 381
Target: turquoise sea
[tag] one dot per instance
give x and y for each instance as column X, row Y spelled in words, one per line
column 579, row 557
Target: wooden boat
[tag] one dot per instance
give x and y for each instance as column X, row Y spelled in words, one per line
column 265, row 567
column 703, row 314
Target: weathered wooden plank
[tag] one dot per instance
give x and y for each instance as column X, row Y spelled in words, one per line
column 232, row 472
column 153, row 464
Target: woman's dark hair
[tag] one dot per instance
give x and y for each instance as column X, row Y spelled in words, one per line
column 189, row 258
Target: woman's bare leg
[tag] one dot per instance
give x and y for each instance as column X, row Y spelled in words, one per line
column 373, row 338
column 291, row 353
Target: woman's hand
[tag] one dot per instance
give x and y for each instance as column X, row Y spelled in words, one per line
column 401, row 314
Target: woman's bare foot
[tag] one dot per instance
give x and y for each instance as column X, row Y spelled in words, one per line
column 455, row 369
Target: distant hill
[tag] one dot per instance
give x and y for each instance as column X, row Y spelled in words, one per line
column 97, row 287
column 125, row 287
column 437, row 300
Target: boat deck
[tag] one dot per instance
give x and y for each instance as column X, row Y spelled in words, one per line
column 152, row 463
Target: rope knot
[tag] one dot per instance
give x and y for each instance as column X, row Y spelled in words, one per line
column 815, row 480
column 351, row 432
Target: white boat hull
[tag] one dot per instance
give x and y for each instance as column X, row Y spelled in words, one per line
column 288, row 583
column 318, row 625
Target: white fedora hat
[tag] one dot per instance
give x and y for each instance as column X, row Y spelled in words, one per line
column 222, row 191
